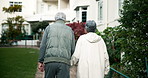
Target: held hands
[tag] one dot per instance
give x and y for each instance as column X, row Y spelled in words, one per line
column 74, row 61
column 40, row 67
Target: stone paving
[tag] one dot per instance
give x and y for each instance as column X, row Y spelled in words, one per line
column 39, row 74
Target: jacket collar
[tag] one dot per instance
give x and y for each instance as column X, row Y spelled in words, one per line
column 60, row 21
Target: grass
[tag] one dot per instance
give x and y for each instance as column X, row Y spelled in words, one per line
column 18, row 62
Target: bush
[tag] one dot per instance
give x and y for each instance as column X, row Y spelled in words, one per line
column 134, row 25
column 36, row 26
column 112, row 41
column 78, row 28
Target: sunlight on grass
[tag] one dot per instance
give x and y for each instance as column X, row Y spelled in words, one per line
column 18, row 62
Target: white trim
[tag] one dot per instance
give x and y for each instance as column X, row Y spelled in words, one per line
column 100, row 17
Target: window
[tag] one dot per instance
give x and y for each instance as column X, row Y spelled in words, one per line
column 120, row 4
column 100, row 10
column 81, row 13
column 42, row 8
column 18, row 4
column 84, row 14
column 11, row 3
column 49, row 7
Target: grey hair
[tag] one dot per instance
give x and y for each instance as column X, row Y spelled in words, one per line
column 60, row 16
column 90, row 26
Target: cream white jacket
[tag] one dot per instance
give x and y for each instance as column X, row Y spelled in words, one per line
column 91, row 56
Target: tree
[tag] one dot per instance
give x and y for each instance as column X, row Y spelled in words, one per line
column 112, row 41
column 12, row 9
column 15, row 24
column 14, row 27
column 78, row 28
column 134, row 25
column 36, row 26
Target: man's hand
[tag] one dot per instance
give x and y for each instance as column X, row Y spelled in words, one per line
column 40, row 67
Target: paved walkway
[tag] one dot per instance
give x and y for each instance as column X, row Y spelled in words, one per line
column 39, row 74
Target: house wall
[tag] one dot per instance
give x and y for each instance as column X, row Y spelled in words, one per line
column 92, row 11
column 113, row 13
column 64, row 4
column 46, row 10
column 45, row 7
column 2, row 16
column 28, row 9
column 110, row 12
column 39, row 10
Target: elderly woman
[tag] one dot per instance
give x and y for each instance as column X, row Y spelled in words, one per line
column 91, row 54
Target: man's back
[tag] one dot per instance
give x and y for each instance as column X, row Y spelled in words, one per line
column 56, row 48
column 60, row 39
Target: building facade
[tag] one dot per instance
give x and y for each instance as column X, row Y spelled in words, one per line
column 25, row 11
column 104, row 12
column 36, row 11
column 46, row 10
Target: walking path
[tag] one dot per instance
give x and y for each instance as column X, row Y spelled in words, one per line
column 39, row 74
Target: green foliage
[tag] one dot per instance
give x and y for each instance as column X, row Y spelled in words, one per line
column 4, row 40
column 134, row 25
column 110, row 36
column 39, row 25
column 113, row 43
column 14, row 27
column 11, row 9
column 78, row 28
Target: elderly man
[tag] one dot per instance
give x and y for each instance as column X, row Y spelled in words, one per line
column 56, row 48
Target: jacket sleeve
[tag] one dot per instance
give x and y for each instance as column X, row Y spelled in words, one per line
column 73, row 43
column 106, row 60
column 76, row 55
column 43, row 46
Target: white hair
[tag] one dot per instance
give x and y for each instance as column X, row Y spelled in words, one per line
column 60, row 16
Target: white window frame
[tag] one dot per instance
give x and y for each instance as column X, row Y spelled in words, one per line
column 49, row 7
column 42, row 8
column 100, row 11
column 12, row 3
column 79, row 11
column 83, row 10
column 77, row 15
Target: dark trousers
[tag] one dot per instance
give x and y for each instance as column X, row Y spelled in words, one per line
column 56, row 70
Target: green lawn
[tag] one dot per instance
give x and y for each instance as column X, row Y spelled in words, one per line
column 18, row 62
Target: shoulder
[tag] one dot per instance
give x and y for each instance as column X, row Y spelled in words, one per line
column 68, row 27
column 82, row 37
column 47, row 27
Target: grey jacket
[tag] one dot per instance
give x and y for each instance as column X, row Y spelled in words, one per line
column 57, row 44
